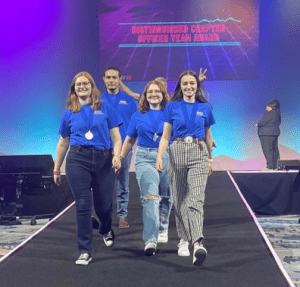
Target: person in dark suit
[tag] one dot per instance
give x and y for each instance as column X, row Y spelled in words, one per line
column 268, row 132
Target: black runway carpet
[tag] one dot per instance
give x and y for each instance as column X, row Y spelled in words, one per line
column 237, row 254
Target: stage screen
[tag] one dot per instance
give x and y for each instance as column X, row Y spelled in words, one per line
column 149, row 39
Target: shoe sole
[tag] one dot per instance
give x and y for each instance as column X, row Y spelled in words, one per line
column 108, row 245
column 83, row 263
column 184, row 255
column 123, row 227
column 150, row 251
column 200, row 256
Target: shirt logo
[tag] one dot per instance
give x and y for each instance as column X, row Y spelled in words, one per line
column 199, row 114
column 98, row 113
column 123, row 103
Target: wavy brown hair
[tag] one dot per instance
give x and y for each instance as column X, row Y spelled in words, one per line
column 178, row 95
column 143, row 103
column 73, row 101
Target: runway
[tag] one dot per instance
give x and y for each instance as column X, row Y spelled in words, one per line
column 238, row 255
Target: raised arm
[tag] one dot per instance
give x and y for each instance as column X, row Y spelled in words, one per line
column 164, row 142
column 61, row 150
column 202, row 76
column 129, row 92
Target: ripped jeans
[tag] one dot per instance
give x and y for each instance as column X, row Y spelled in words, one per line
column 156, row 195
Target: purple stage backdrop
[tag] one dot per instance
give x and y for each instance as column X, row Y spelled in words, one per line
column 45, row 43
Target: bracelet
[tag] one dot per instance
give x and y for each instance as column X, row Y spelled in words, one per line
column 210, row 159
column 56, row 172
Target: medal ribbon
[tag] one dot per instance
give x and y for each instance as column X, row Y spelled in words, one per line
column 88, row 119
column 189, row 121
column 153, row 122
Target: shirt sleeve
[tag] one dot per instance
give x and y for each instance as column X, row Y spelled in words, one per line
column 113, row 119
column 167, row 115
column 132, row 128
column 210, row 120
column 134, row 106
column 64, row 128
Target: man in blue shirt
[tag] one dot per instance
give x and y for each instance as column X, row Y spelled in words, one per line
column 125, row 106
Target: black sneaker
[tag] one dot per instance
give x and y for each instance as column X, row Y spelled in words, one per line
column 84, row 259
column 109, row 238
column 95, row 223
column 150, row 248
column 199, row 255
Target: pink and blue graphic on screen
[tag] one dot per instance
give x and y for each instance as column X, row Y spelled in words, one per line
column 147, row 41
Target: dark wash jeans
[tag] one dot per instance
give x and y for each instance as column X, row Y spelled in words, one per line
column 90, row 170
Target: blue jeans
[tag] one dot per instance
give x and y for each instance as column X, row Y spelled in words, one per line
column 156, row 210
column 122, row 182
column 90, row 170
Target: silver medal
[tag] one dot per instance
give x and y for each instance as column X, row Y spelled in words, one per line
column 89, row 135
column 155, row 137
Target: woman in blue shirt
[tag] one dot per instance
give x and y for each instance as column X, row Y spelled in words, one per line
column 188, row 117
column 87, row 125
column 146, row 126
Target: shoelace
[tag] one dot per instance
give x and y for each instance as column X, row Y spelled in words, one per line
column 183, row 244
column 108, row 235
column 84, row 256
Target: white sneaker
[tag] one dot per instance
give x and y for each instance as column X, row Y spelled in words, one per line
column 162, row 237
column 199, row 255
column 150, row 248
column 183, row 249
column 84, row 259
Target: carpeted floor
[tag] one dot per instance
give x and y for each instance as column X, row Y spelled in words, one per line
column 237, row 255
column 12, row 235
column 284, row 234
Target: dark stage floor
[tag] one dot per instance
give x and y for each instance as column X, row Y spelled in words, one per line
column 237, row 253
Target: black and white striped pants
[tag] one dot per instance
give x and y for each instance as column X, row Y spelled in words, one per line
column 188, row 169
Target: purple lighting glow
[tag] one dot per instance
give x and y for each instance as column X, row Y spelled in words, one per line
column 26, row 22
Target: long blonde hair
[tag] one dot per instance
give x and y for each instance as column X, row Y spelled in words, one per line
column 73, row 101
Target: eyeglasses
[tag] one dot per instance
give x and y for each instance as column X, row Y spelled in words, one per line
column 150, row 92
column 84, row 84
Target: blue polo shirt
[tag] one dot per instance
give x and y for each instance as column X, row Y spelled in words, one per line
column 125, row 106
column 143, row 126
column 100, row 121
column 174, row 115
